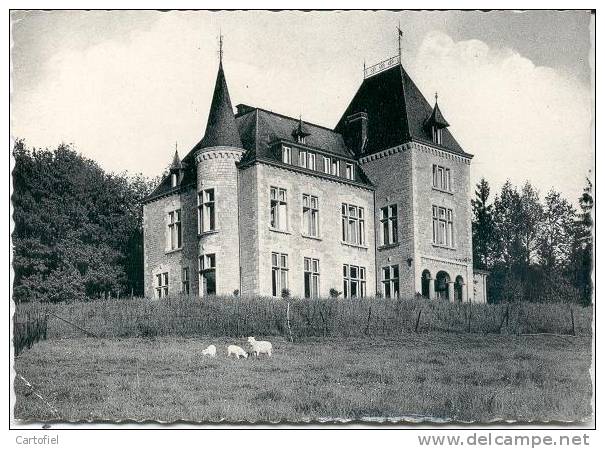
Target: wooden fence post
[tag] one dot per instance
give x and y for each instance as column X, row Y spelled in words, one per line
column 573, row 323
column 368, row 323
column 288, row 321
column 417, row 321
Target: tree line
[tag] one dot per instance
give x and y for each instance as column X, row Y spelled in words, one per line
column 77, row 229
column 535, row 250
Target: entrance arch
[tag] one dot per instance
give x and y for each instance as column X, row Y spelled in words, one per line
column 459, row 289
column 425, row 281
column 441, row 285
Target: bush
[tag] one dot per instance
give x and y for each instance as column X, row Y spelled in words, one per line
column 334, row 293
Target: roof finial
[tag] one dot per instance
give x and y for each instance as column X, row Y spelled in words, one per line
column 399, row 34
column 220, row 46
column 436, row 97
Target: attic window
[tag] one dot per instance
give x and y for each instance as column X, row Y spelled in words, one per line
column 436, row 135
column 301, row 139
column 350, row 172
column 286, row 155
column 173, row 180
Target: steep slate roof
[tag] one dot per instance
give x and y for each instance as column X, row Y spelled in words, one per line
column 259, row 127
column 397, row 112
column 221, row 129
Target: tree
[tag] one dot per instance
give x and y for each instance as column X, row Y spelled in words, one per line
column 483, row 226
column 555, row 240
column 76, row 227
column 582, row 251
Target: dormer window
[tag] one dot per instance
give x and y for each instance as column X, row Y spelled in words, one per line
column 350, row 172
column 174, row 180
column 286, row 155
column 302, row 158
column 437, row 135
column 300, row 133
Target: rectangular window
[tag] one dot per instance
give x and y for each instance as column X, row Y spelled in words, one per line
column 437, row 135
column 279, row 273
column 390, row 281
column 443, row 226
column 327, row 165
column 206, row 211
column 302, row 158
column 388, row 224
column 350, row 172
column 161, row 285
column 175, row 232
column 354, row 281
column 286, row 155
column 185, row 281
column 311, row 267
column 335, row 167
column 442, row 178
column 310, row 215
column 353, row 224
column 207, row 274
column 312, row 161
column 279, row 209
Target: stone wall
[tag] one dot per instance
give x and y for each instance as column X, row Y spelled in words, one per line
column 216, row 170
column 328, row 247
column 391, row 173
column 157, row 257
column 455, row 261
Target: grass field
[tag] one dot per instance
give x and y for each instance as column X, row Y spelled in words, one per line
column 460, row 377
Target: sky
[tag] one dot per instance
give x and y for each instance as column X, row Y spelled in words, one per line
column 125, row 87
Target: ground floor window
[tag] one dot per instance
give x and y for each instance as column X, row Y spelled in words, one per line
column 279, row 273
column 208, row 275
column 354, row 281
column 390, row 281
column 161, row 285
column 311, row 277
column 185, row 281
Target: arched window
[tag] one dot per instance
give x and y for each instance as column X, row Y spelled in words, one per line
column 441, row 281
column 425, row 283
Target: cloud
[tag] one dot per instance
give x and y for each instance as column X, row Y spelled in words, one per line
column 124, row 102
column 521, row 121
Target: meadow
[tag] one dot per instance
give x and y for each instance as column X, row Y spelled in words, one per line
column 439, row 377
column 415, row 359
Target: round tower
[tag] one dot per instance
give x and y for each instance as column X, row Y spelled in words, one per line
column 216, row 156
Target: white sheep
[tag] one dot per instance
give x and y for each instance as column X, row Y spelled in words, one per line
column 260, row 347
column 237, row 351
column 210, row 351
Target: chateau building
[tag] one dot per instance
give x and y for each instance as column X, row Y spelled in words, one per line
column 264, row 203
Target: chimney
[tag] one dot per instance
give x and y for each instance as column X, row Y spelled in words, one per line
column 243, row 109
column 356, row 133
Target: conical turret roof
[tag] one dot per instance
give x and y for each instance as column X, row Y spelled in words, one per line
column 176, row 161
column 221, row 129
column 437, row 118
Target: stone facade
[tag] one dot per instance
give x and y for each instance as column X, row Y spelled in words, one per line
column 380, row 155
column 158, row 258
